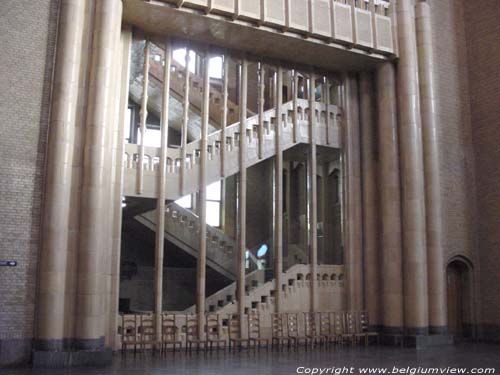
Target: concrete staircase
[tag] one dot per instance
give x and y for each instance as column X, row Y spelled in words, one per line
column 215, row 171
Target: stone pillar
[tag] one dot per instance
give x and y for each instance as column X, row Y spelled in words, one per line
column 122, row 105
column 223, row 145
column 90, row 298
column 435, row 258
column 56, row 252
column 370, row 209
column 390, row 202
column 313, row 194
column 412, row 169
column 202, row 201
column 353, row 215
column 144, row 117
column 114, row 188
column 278, row 191
column 185, row 120
column 242, row 193
column 160, row 203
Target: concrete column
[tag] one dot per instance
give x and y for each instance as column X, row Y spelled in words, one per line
column 202, row 201
column 242, row 193
column 122, row 105
column 313, row 194
column 160, row 203
column 185, row 120
column 144, row 117
column 55, row 253
column 278, row 191
column 295, row 104
column 353, row 216
column 113, row 201
column 90, row 299
column 390, row 201
column 435, row 258
column 412, row 169
column 224, row 116
column 370, row 209
column 260, row 104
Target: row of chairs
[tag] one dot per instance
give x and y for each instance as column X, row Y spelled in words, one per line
column 320, row 328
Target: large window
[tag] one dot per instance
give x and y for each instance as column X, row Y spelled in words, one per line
column 214, row 201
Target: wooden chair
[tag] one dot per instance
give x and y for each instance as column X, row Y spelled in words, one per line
column 148, row 332
column 235, row 335
column 213, row 329
column 311, row 331
column 326, row 328
column 338, row 326
column 169, row 333
column 192, row 338
column 293, row 330
column 349, row 331
column 363, row 329
column 279, row 338
column 129, row 333
column 254, row 336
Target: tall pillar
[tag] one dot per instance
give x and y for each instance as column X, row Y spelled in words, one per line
column 370, row 209
column 144, row 116
column 242, row 192
column 435, row 257
column 55, row 253
column 122, row 105
column 313, row 194
column 113, row 201
column 185, row 120
column 160, row 203
column 202, row 200
column 390, row 202
column 90, row 298
column 412, row 169
column 353, row 216
column 278, row 191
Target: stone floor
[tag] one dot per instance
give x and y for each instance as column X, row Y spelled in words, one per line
column 340, row 361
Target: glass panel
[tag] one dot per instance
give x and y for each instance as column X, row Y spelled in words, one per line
column 152, row 138
column 213, row 213
column 179, row 56
column 186, row 201
column 215, row 69
column 214, row 191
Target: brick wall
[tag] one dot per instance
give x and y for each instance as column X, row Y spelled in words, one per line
column 27, row 37
column 483, row 48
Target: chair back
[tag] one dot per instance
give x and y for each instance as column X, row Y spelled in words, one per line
column 147, row 327
column 325, row 328
column 234, row 323
column 213, row 327
column 129, row 329
column 350, row 322
column 310, row 324
column 168, row 328
column 338, row 322
column 278, row 324
column 363, row 321
column 191, row 327
column 292, row 324
column 254, row 325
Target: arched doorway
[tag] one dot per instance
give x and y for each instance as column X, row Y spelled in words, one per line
column 459, row 293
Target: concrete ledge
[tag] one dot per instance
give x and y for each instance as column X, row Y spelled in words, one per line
column 81, row 358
